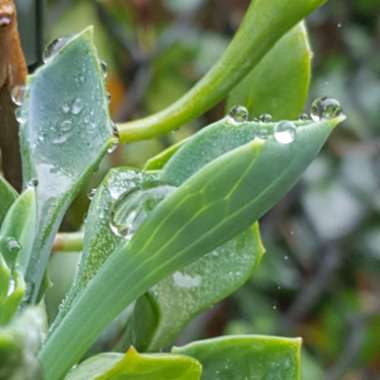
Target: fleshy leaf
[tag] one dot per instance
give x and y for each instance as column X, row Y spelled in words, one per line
column 246, row 357
column 196, row 287
column 133, row 366
column 7, row 196
column 66, row 132
column 16, row 241
column 214, row 205
column 99, row 240
column 19, row 343
column 279, row 84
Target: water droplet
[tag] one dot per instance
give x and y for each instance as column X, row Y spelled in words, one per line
column 67, row 126
column 325, row 108
column 304, row 117
column 18, row 95
column 286, row 257
column 91, row 193
column 339, row 25
column 112, row 148
column 33, row 182
column 13, row 245
column 54, row 47
column 19, row 114
column 133, row 207
column 274, row 307
column 262, row 133
column 239, row 114
column 285, row 132
column 115, row 131
column 12, row 287
column 104, row 67
column 77, row 106
column 266, row 118
column 66, row 108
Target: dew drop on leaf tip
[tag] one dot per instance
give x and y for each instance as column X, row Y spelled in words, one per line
column 238, row 114
column 325, row 108
column 285, row 132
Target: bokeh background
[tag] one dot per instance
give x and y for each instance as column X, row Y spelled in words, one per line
column 320, row 278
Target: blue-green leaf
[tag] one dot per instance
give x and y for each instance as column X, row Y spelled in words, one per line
column 66, row 131
column 246, row 357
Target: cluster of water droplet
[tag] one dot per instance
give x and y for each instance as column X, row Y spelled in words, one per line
column 285, row 132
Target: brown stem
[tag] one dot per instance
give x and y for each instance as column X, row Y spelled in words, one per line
column 13, row 72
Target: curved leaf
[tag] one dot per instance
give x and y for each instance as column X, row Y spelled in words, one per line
column 16, row 241
column 135, row 366
column 195, row 288
column 66, row 132
column 99, row 240
column 279, row 84
column 246, row 357
column 265, row 22
column 218, row 202
column 7, row 196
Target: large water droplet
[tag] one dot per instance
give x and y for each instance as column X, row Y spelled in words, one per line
column 77, row 106
column 266, row 118
column 285, row 132
column 133, row 207
column 325, row 108
column 238, row 114
column 54, row 47
column 18, row 95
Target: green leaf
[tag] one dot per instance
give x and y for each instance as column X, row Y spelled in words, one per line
column 18, row 230
column 99, row 240
column 135, row 366
column 214, row 205
column 67, row 131
column 158, row 162
column 7, row 196
column 246, row 357
column 156, row 320
column 279, row 85
column 265, row 22
column 16, row 241
column 19, row 342
column 196, row 288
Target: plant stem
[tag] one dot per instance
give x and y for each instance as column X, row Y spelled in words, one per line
column 264, row 23
column 68, row 242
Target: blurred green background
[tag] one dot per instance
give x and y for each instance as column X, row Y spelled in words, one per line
column 320, row 277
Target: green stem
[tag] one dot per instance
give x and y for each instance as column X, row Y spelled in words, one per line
column 265, row 22
column 68, row 242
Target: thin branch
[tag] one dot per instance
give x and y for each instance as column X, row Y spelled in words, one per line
column 13, row 72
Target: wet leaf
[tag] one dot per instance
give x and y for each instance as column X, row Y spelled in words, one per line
column 66, row 131
column 246, row 357
column 214, row 205
column 7, row 196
